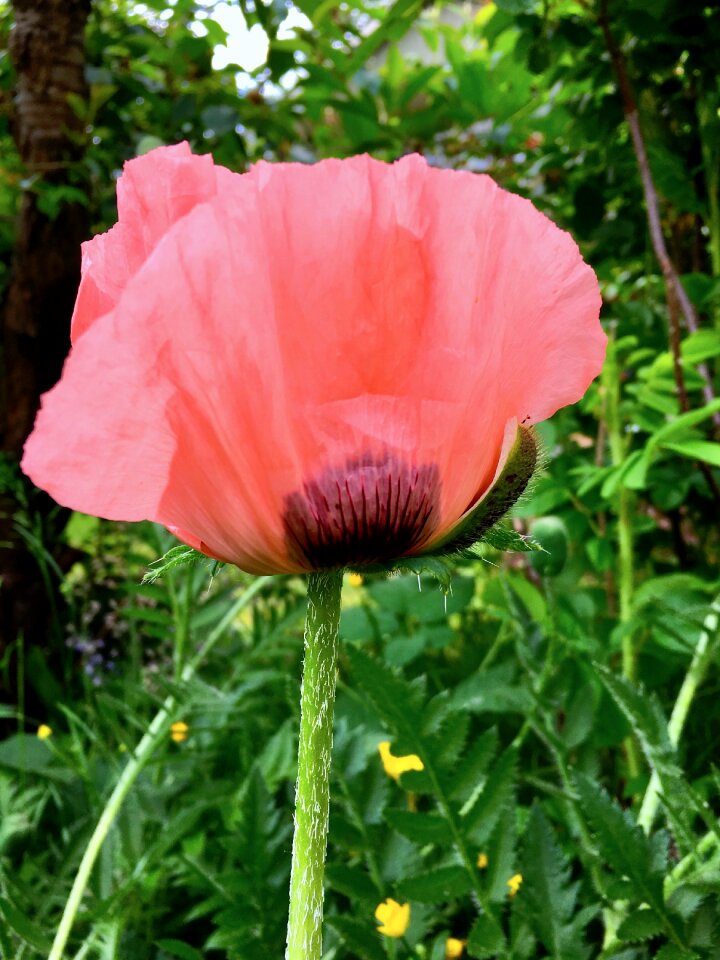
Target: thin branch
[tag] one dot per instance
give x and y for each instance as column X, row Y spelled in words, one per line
column 677, row 298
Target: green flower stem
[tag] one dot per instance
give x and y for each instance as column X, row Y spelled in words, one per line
column 155, row 735
column 312, row 794
column 702, row 658
column 625, row 541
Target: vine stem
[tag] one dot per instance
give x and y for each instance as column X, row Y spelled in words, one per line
column 155, row 734
column 702, row 658
column 312, row 793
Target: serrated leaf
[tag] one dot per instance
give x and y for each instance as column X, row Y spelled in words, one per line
column 686, row 901
column 437, row 886
column 485, row 940
column 672, row 952
column 506, row 539
column 549, row 899
column 501, row 854
column 642, row 711
column 470, row 772
column 439, row 568
column 447, row 743
column 619, row 889
column 648, row 723
column 625, row 848
column 479, row 821
column 177, row 556
column 491, row 691
column 353, row 881
column 360, row 939
column 421, row 828
column 396, row 701
column 640, row 925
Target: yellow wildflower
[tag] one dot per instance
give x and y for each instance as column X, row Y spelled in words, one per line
column 394, row 766
column 44, row 731
column 179, row 731
column 454, row 948
column 514, row 883
column 355, row 579
column 393, row 917
column 482, row 861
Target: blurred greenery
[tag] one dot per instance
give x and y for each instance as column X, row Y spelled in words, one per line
column 537, row 693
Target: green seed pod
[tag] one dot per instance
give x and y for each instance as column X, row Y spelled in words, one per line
column 552, row 535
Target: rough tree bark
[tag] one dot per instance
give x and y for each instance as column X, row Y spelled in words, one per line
column 47, row 51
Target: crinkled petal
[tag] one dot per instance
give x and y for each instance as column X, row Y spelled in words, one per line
column 280, row 327
column 154, row 192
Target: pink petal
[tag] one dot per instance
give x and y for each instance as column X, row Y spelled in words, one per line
column 250, row 341
column 154, row 191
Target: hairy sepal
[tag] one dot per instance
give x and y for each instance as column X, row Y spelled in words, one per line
column 475, row 525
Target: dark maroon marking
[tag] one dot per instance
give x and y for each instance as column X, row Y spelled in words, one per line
column 369, row 512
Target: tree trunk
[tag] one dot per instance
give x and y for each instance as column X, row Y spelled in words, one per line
column 47, row 50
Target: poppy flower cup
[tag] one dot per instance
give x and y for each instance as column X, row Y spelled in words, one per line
column 308, row 367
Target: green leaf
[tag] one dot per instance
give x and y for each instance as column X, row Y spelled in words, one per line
column 397, row 703
column 701, row 345
column 640, row 925
column 549, row 899
column 643, row 712
column 516, row 6
column 645, row 716
column 447, row 743
column 147, row 143
column 702, row 450
column 359, row 938
column 469, row 774
column 492, row 691
column 421, row 828
column 497, row 793
column 485, row 939
column 176, row 948
column 398, row 19
column 669, row 432
column 437, row 886
column 501, row 852
column 672, row 952
column 625, row 848
column 177, row 556
column 439, row 568
column 506, row 539
column 24, row 928
column 353, row 881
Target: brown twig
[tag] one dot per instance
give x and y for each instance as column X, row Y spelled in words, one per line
column 677, row 299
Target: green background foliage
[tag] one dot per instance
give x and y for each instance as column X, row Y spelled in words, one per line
column 537, row 693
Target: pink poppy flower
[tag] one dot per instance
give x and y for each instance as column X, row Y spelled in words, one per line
column 311, row 366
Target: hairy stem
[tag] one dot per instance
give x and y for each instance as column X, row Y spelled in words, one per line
column 156, row 733
column 312, row 793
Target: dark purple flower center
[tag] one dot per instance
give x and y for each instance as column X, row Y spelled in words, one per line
column 371, row 511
